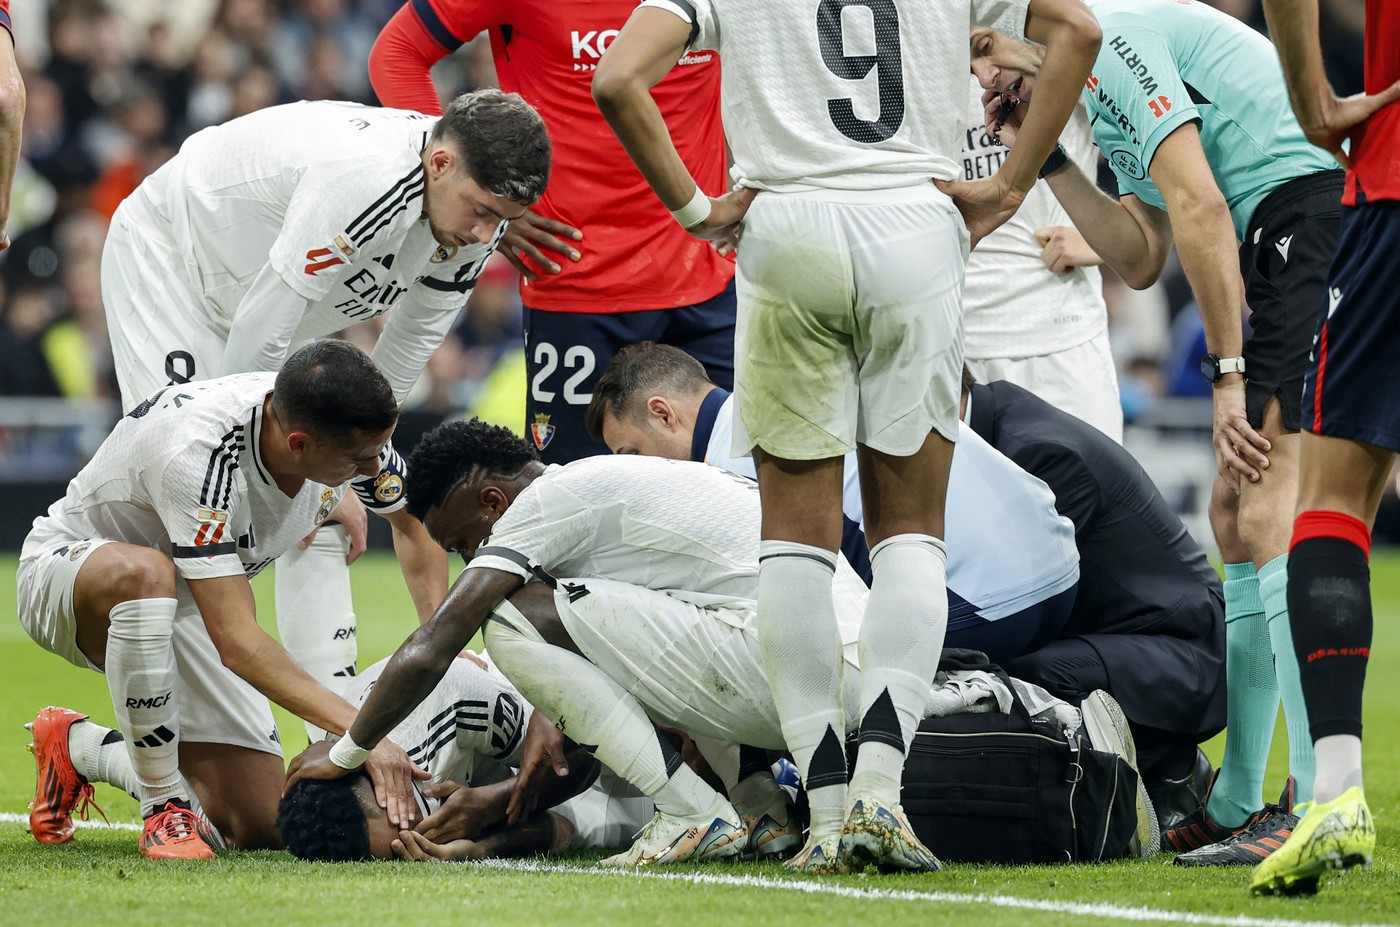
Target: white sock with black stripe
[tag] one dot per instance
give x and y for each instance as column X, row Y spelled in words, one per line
column 142, row 679
column 800, row 642
column 99, row 754
column 901, row 639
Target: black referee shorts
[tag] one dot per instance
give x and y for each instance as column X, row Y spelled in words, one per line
column 1286, row 254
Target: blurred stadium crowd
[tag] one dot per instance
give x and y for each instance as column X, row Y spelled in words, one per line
column 114, row 86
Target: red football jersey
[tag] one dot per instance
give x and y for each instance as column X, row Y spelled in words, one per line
column 635, row 256
column 1375, row 152
column 5, row 15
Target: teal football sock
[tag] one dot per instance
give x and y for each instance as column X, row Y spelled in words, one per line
column 1273, row 589
column 1252, row 700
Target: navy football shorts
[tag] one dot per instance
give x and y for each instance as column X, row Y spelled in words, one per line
column 1353, row 380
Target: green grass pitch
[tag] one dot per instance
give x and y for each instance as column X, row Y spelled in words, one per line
column 99, row 879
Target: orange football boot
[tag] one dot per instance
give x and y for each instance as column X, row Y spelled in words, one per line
column 173, row 832
column 59, row 790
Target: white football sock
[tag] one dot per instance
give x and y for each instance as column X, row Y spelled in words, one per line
column 800, row 642
column 142, row 679
column 901, row 639
column 99, row 754
column 1338, row 766
column 593, row 711
column 315, row 614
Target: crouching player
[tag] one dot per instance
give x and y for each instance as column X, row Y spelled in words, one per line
column 142, row 572
column 468, row 735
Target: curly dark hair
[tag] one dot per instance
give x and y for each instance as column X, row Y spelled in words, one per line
column 449, row 452
column 323, row 820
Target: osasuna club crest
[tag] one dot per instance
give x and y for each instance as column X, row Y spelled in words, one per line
column 541, row 432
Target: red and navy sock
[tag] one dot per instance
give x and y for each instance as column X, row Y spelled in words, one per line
column 1329, row 602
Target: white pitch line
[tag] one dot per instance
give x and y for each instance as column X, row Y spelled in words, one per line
column 9, row 817
column 810, row 887
column 955, row 898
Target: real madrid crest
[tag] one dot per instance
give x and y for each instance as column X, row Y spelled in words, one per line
column 327, row 503
column 388, row 487
column 443, row 254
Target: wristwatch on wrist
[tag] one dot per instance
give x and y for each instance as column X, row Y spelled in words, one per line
column 1213, row 367
column 1058, row 158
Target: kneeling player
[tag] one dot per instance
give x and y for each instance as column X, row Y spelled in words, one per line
column 141, row 571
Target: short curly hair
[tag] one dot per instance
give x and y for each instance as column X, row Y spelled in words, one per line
column 448, row 453
column 323, row 820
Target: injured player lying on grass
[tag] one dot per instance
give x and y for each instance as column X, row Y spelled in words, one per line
column 467, row 734
column 654, row 624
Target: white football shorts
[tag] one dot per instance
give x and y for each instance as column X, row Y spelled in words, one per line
column 849, row 322
column 697, row 669
column 1081, row 380
column 159, row 335
column 216, row 706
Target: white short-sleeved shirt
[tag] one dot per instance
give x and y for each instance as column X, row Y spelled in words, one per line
column 1008, row 548
column 182, row 473
column 850, row 96
column 331, row 194
column 469, row 729
column 1013, row 305
column 682, row 528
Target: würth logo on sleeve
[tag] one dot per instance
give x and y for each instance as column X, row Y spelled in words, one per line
column 318, row 259
column 1160, row 106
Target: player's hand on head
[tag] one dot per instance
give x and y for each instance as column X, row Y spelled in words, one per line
column 464, row 812
column 1240, row 451
column 543, row 241
column 542, row 751
column 417, row 848
column 1063, row 249
column 313, row 763
column 393, row 775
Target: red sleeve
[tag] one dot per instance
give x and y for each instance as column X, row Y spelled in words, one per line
column 416, row 38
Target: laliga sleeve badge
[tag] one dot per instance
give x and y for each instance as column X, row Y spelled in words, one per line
column 541, row 432
column 443, row 254
column 327, row 503
column 388, row 487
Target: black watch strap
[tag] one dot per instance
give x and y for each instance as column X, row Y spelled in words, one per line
column 1057, row 159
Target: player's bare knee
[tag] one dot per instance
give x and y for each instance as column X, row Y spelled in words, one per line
column 247, row 828
column 138, row 573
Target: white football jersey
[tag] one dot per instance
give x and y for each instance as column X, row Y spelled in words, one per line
column 1008, row 548
column 331, row 194
column 682, row 528
column 182, row 473
column 843, row 94
column 1013, row 305
column 469, row 729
